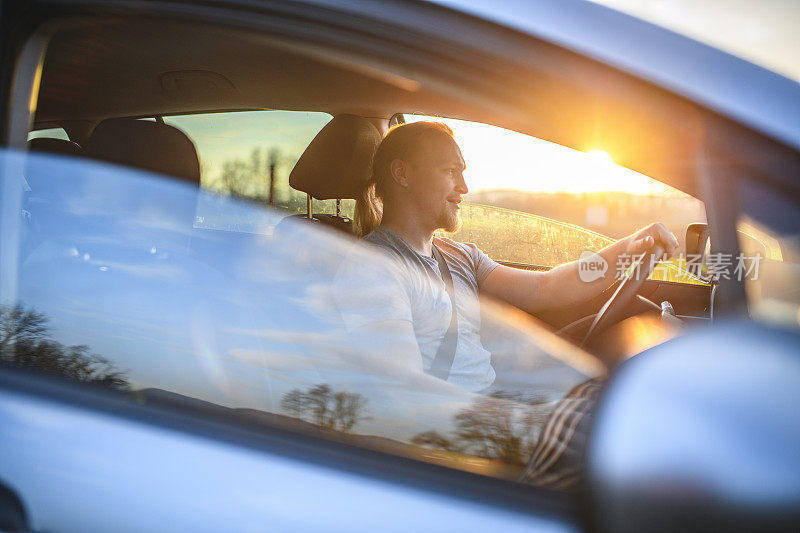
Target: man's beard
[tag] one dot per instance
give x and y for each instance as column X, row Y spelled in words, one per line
column 449, row 220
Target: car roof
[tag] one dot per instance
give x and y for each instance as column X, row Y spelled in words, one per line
column 696, row 71
column 754, row 96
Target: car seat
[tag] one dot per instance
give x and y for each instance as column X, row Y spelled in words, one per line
column 54, row 146
column 146, row 145
column 336, row 165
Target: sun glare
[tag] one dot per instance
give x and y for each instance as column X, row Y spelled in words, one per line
column 502, row 159
column 600, row 157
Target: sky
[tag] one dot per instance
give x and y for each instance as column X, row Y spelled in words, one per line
column 764, row 32
column 502, row 159
column 221, row 137
column 496, row 158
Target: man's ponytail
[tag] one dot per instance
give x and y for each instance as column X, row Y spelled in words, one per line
column 369, row 209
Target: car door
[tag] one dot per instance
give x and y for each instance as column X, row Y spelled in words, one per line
column 173, row 342
column 162, row 367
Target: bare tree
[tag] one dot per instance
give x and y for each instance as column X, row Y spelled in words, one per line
column 434, row 439
column 25, row 342
column 263, row 177
column 501, row 426
column 20, row 326
column 495, row 428
column 235, row 176
column 338, row 411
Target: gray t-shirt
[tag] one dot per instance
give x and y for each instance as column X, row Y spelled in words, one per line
column 410, row 287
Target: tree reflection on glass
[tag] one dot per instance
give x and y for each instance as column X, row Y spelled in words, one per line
column 25, row 342
column 337, row 411
column 500, row 426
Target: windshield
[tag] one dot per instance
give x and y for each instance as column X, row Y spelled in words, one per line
column 762, row 32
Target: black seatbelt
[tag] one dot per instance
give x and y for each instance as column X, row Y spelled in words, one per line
column 443, row 361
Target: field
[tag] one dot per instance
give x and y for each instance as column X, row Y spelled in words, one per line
column 519, row 237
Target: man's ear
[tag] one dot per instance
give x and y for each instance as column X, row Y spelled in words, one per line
column 397, row 169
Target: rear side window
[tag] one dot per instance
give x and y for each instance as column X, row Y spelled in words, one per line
column 250, row 154
column 49, row 133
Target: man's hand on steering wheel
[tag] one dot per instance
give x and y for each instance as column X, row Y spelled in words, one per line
column 643, row 240
column 654, row 240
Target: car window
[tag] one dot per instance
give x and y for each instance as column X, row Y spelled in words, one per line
column 769, row 254
column 250, row 154
column 538, row 204
column 49, row 133
column 117, row 286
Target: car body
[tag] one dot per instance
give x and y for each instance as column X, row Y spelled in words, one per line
column 216, row 313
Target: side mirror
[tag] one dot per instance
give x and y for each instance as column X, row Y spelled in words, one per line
column 696, row 238
column 700, row 434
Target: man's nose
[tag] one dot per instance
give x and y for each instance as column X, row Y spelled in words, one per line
column 461, row 184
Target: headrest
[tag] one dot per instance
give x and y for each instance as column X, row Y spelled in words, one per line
column 339, row 160
column 147, row 145
column 54, row 146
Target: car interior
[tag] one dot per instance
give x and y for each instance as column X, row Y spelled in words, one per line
column 111, row 86
column 96, row 74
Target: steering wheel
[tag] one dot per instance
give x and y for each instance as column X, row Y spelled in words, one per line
column 613, row 310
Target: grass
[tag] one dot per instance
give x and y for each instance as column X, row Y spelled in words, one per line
column 514, row 236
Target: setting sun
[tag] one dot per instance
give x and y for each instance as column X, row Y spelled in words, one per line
column 600, row 157
column 502, row 159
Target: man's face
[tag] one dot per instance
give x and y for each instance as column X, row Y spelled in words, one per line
column 436, row 183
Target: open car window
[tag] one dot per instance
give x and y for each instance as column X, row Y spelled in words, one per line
column 49, row 133
column 249, row 155
column 537, row 204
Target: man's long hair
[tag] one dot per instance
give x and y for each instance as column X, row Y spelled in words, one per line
column 400, row 142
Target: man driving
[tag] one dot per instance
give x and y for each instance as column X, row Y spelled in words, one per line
column 416, row 186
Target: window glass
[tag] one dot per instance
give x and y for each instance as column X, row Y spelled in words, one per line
column 49, row 133
column 769, row 258
column 250, row 154
column 115, row 285
column 533, row 202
